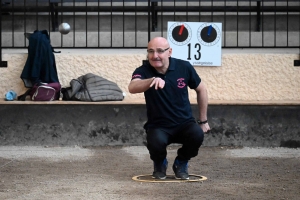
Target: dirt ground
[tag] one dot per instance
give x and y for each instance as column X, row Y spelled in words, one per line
column 106, row 173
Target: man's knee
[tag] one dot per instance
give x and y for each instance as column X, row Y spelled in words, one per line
column 157, row 142
column 196, row 135
column 156, row 139
column 200, row 136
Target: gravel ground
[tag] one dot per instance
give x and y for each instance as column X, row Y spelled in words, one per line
column 33, row 172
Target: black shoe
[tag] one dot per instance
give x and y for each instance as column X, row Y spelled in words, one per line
column 160, row 169
column 180, row 169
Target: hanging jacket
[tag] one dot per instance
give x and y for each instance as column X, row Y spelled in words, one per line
column 40, row 65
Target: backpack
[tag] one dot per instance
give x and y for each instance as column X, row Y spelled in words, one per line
column 91, row 87
column 43, row 92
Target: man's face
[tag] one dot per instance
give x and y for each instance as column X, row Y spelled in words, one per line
column 158, row 54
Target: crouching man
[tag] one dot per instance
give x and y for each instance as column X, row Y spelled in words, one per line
column 164, row 82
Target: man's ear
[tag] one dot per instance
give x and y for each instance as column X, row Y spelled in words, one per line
column 170, row 52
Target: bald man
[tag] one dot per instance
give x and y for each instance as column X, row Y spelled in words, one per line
column 164, row 81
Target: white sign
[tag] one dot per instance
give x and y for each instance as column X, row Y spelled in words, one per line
column 200, row 43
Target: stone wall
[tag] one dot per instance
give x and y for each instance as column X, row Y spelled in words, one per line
column 98, row 124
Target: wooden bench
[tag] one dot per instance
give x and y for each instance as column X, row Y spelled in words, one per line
column 142, row 102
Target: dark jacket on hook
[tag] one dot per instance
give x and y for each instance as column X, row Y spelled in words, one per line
column 40, row 65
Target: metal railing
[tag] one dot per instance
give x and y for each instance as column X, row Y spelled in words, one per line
column 132, row 23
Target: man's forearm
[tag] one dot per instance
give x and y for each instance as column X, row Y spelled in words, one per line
column 202, row 100
column 202, row 103
column 138, row 86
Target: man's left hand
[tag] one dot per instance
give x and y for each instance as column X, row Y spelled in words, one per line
column 205, row 127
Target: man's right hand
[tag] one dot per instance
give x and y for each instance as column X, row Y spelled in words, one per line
column 158, row 83
column 141, row 85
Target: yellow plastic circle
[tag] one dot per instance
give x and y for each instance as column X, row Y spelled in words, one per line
column 169, row 179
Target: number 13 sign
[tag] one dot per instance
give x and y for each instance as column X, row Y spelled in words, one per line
column 199, row 43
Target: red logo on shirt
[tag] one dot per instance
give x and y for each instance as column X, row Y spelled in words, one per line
column 181, row 83
column 136, row 76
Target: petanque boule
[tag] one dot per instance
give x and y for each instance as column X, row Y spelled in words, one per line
column 64, row 28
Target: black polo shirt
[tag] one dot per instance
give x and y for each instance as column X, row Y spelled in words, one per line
column 170, row 106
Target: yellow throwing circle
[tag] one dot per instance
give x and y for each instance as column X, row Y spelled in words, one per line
column 169, row 178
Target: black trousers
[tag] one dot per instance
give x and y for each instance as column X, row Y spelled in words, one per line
column 190, row 135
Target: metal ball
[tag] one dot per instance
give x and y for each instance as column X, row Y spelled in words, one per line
column 64, row 28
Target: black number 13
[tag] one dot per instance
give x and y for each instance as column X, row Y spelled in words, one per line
column 196, row 56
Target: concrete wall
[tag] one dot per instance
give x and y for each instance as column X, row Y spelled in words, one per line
column 98, row 124
column 245, row 75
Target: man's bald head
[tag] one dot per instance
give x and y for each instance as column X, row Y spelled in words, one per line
column 159, row 41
